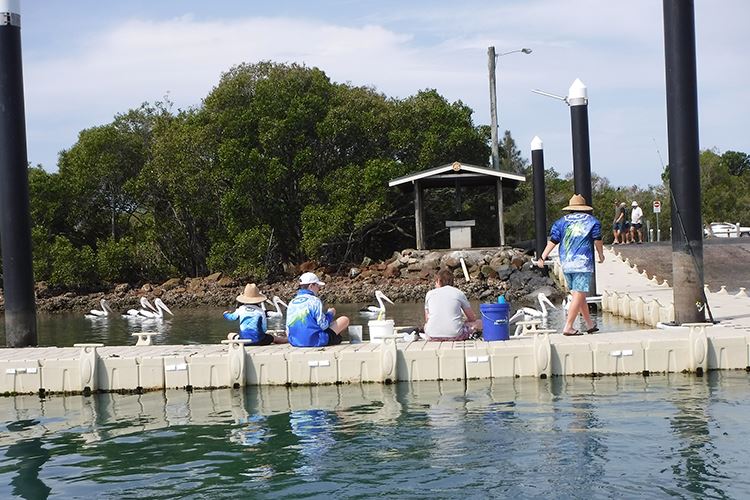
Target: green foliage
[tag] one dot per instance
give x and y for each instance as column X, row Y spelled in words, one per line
column 71, row 267
column 115, row 260
column 243, row 255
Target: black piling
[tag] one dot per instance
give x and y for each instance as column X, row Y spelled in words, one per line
column 540, row 197
column 684, row 166
column 579, row 126
column 15, row 226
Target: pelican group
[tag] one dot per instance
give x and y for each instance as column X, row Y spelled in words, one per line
column 149, row 311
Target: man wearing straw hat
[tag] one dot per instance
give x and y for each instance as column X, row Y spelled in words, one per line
column 252, row 318
column 306, row 321
column 576, row 232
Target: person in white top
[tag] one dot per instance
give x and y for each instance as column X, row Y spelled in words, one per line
column 636, row 219
column 445, row 308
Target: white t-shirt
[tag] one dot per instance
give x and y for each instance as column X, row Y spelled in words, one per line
column 636, row 215
column 444, row 306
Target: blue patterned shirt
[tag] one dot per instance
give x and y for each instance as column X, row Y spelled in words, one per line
column 306, row 321
column 576, row 232
column 253, row 323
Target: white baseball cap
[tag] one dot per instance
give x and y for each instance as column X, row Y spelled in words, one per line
column 310, row 279
column 634, row 204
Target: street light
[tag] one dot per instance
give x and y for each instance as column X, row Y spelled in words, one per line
column 493, row 117
column 524, row 50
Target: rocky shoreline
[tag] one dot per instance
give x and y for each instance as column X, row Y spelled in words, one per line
column 405, row 277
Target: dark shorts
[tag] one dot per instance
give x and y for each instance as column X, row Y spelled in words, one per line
column 617, row 226
column 333, row 337
column 266, row 339
column 636, row 226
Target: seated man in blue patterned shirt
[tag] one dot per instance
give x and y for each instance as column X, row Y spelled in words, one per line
column 306, row 323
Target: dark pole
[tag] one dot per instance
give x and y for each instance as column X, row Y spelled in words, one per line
column 540, row 197
column 684, row 167
column 15, row 226
column 579, row 125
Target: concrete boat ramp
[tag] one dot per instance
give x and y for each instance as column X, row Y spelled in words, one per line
column 625, row 292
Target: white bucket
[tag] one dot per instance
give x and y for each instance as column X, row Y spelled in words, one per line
column 355, row 334
column 380, row 329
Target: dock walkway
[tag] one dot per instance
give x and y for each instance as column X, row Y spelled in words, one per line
column 92, row 367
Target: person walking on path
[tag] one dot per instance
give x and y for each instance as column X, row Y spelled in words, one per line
column 616, row 225
column 306, row 321
column 620, row 224
column 577, row 233
column 636, row 218
column 444, row 310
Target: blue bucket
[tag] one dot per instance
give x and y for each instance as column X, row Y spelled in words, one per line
column 495, row 321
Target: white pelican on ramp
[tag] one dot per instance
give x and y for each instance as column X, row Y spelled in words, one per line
column 372, row 310
column 277, row 302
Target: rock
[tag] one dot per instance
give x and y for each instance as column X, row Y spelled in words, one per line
column 226, row 281
column 354, row 272
column 497, row 263
column 306, row 267
column 212, row 278
column 504, row 273
column 171, row 283
column 147, row 287
column 517, row 261
column 194, row 284
column 546, row 290
column 488, row 272
column 450, row 262
column 391, row 271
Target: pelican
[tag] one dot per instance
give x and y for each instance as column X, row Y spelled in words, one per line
column 277, row 313
column 135, row 313
column 536, row 313
column 589, row 300
column 380, row 308
column 104, row 312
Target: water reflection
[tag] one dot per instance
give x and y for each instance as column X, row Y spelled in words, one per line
column 30, row 456
column 561, row 437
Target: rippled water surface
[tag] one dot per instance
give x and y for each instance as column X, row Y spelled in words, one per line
column 206, row 325
column 659, row 436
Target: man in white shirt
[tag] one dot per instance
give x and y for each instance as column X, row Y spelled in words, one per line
column 636, row 219
column 445, row 308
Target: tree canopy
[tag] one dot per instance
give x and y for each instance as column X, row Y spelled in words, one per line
column 279, row 164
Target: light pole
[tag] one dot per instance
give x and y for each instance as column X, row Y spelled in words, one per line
column 492, row 57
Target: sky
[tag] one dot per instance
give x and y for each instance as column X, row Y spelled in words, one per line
column 87, row 60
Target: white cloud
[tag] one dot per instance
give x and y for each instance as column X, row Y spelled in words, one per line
column 616, row 49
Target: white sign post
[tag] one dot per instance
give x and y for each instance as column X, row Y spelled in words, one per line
column 657, row 211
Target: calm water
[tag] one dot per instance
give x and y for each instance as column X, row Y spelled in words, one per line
column 206, row 325
column 661, row 436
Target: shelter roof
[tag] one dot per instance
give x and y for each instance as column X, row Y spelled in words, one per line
column 447, row 175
